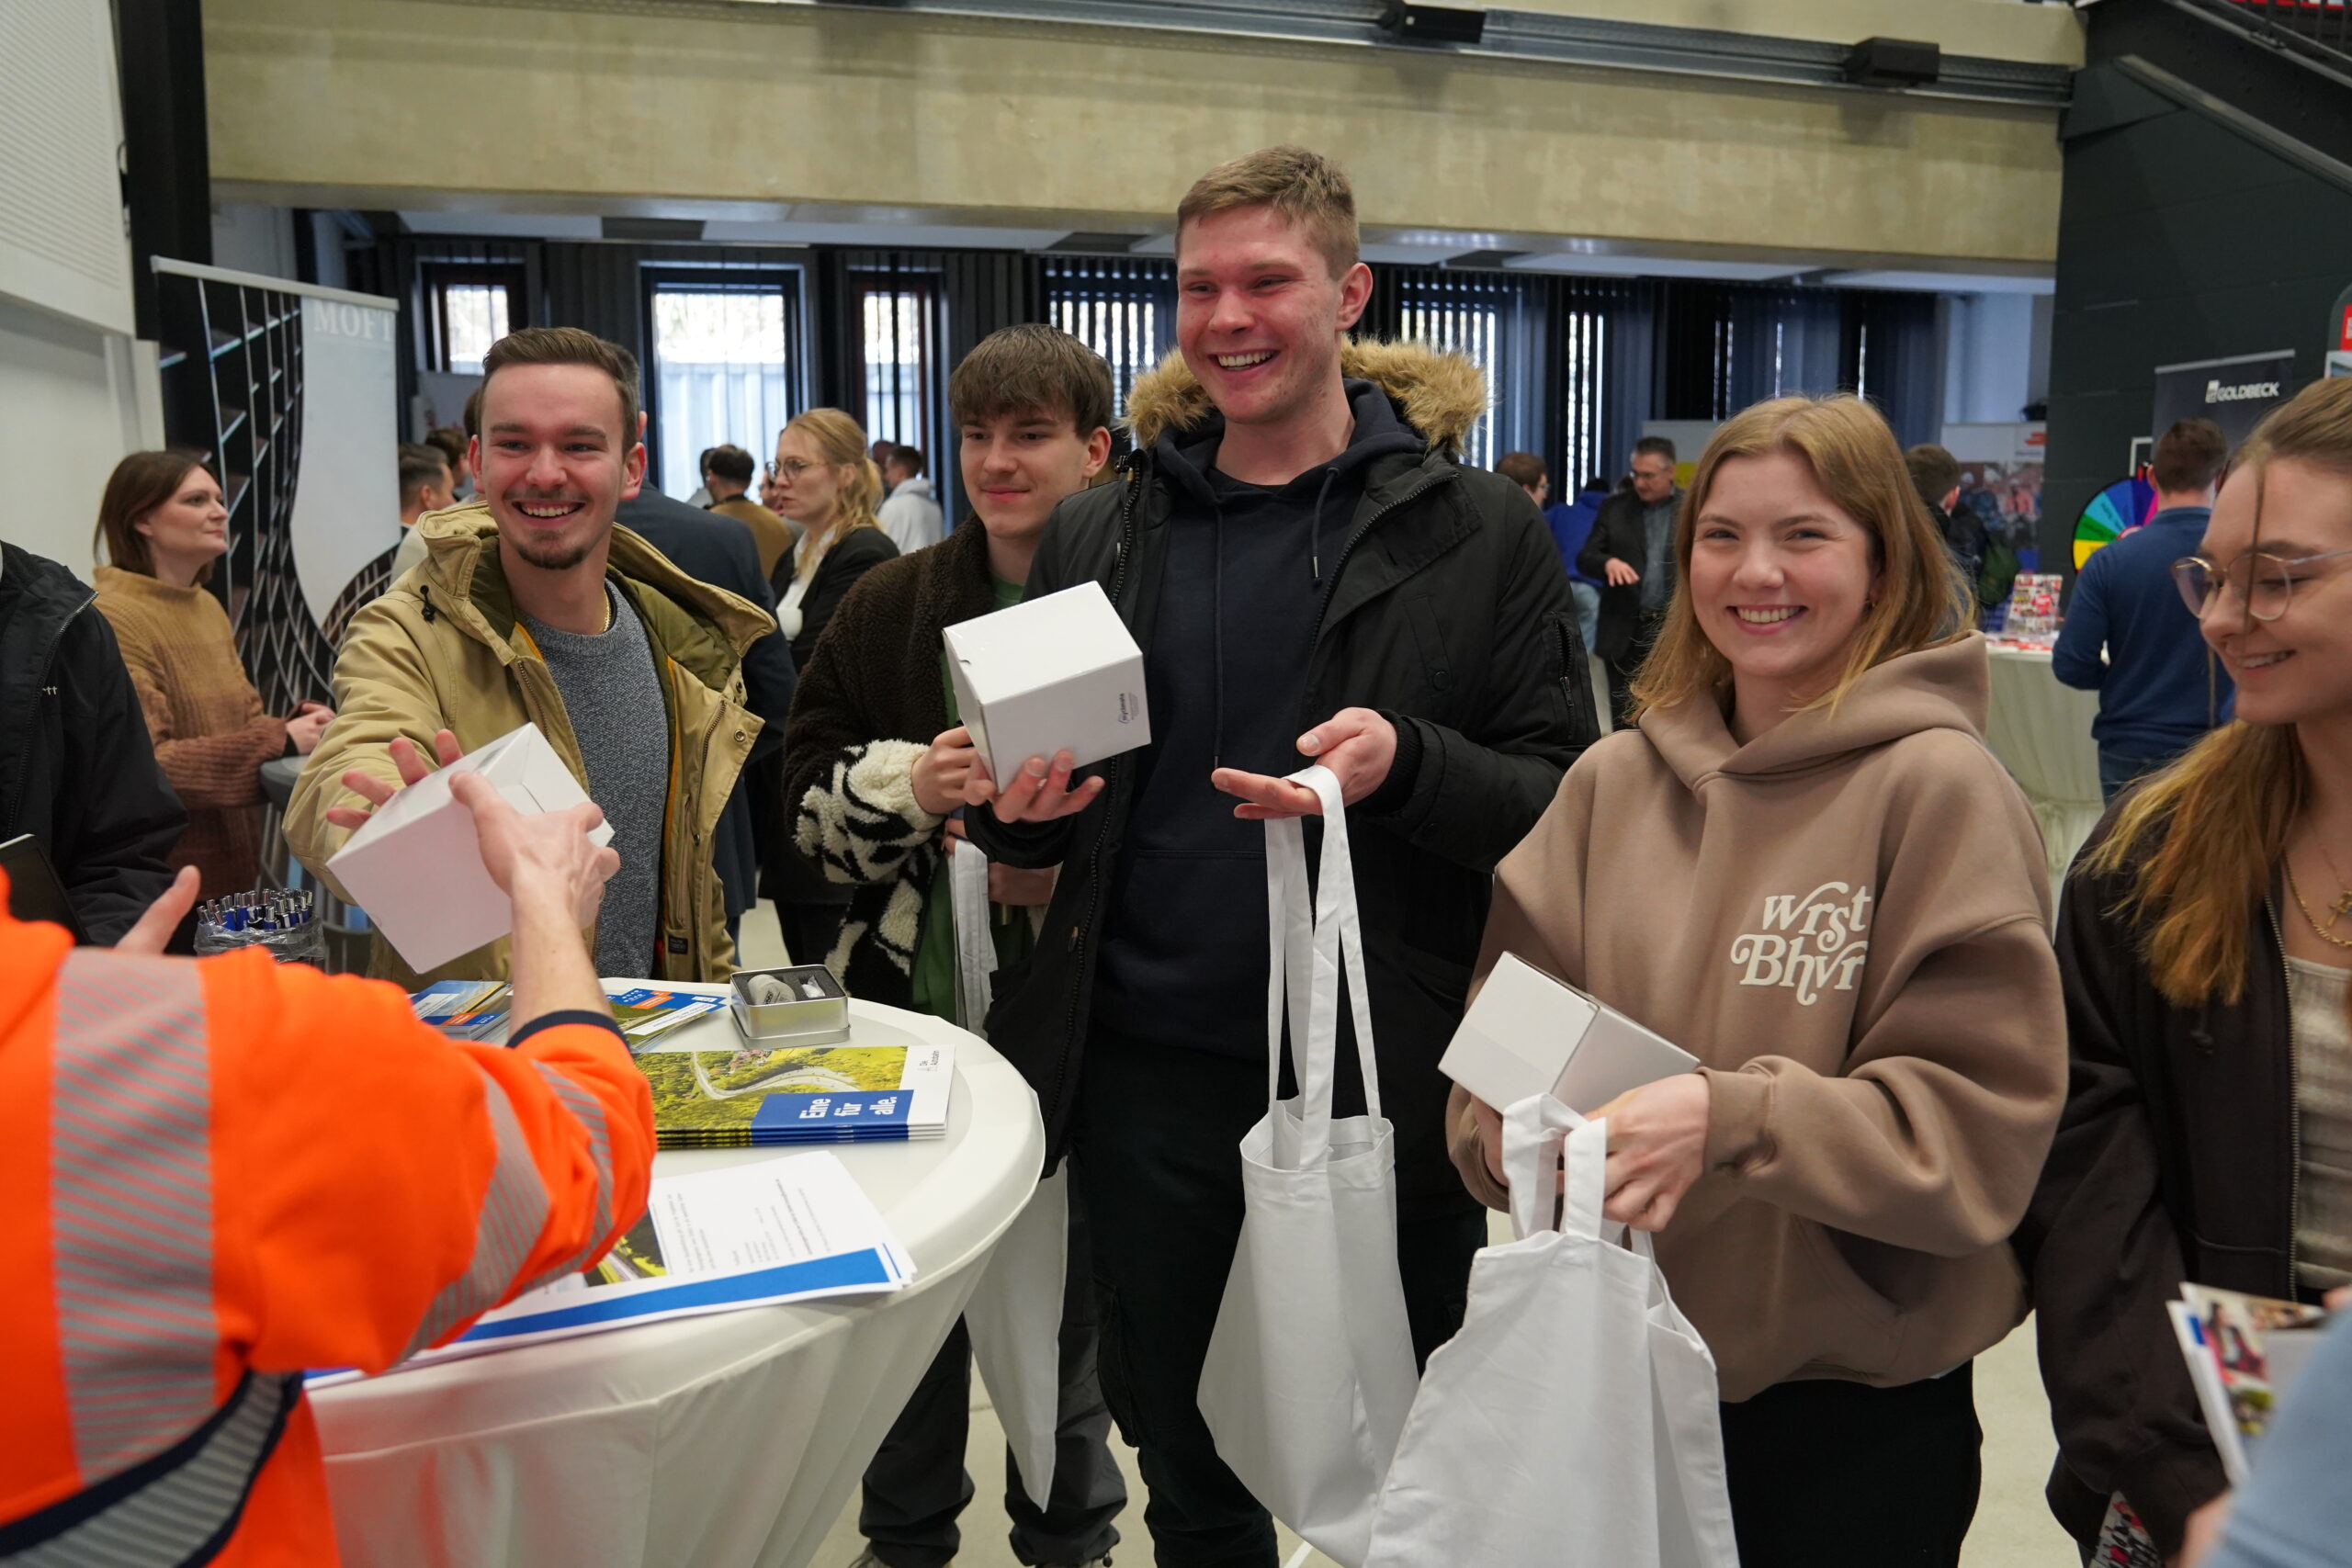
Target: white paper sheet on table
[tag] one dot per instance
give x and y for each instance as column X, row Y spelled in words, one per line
column 793, row 1228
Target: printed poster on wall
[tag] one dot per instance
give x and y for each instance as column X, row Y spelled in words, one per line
column 2339, row 335
column 2234, row 393
column 288, row 391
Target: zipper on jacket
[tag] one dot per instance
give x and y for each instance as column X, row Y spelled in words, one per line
column 1111, row 781
column 2294, row 1113
column 47, row 661
column 1330, row 590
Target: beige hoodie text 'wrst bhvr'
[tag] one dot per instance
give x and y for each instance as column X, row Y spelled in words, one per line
column 1846, row 921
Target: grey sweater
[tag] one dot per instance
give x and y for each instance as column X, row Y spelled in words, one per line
column 613, row 696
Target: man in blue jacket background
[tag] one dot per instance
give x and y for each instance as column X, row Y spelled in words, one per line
column 2158, row 690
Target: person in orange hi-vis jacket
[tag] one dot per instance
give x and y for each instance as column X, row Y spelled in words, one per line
column 216, row 1173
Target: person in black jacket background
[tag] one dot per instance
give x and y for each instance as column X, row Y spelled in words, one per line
column 2205, row 943
column 825, row 482
column 719, row 551
column 1296, row 548
column 1631, row 552
column 76, row 765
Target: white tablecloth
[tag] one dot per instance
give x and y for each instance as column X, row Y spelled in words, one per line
column 716, row 1442
column 2041, row 732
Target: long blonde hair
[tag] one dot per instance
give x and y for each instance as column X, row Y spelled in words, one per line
column 1919, row 602
column 842, row 443
column 2195, row 844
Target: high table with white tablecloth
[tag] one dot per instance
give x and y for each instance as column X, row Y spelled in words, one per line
column 2041, row 732
column 707, row 1442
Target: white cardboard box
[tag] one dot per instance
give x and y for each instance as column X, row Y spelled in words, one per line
column 1053, row 674
column 416, row 867
column 1529, row 1034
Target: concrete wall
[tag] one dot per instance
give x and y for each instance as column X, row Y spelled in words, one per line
column 784, row 111
column 70, row 406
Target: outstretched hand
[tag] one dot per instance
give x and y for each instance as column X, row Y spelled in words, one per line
column 375, row 792
column 1038, row 793
column 163, row 915
column 1356, row 744
column 546, row 855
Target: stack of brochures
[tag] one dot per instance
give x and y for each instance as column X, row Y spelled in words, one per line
column 477, row 1009
column 794, row 1229
column 465, row 1009
column 747, row 1095
column 2243, row 1353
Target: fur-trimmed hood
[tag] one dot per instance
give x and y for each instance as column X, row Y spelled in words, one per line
column 1440, row 394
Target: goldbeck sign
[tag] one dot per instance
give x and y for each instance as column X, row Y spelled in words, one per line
column 2234, row 393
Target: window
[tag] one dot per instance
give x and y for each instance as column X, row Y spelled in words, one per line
column 1584, row 380
column 723, row 369
column 1123, row 309
column 898, row 337
column 468, row 307
column 1481, row 317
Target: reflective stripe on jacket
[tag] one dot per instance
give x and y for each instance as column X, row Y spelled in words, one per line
column 219, row 1174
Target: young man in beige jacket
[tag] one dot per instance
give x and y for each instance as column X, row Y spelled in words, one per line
column 532, row 607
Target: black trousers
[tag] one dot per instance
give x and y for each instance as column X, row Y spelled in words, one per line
column 1621, row 671
column 1156, row 1136
column 917, row 1484
column 1827, row 1473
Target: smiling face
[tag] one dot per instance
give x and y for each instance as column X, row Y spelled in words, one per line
column 1778, row 579
column 191, row 528
column 2297, row 669
column 1018, row 466
column 1259, row 314
column 552, row 461
column 807, row 487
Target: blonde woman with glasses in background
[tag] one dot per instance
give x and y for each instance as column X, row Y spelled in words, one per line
column 823, row 481
column 826, row 483
column 2205, row 939
column 1801, row 864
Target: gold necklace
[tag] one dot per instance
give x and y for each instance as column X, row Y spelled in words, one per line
column 2323, row 933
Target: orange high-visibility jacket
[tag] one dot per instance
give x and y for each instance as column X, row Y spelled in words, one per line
column 215, row 1174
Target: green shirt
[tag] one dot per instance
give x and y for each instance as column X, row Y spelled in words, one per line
column 934, row 970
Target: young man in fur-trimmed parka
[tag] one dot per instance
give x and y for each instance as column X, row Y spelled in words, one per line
column 874, row 765
column 1312, row 576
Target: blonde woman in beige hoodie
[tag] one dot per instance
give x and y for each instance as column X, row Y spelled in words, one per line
column 1803, row 865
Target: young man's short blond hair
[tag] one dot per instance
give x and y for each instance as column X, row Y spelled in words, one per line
column 1303, row 187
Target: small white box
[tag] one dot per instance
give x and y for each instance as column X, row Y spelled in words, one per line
column 416, row 867
column 1060, row 673
column 1529, row 1034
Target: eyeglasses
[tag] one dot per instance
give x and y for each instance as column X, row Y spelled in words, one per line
column 2265, row 583
column 791, row 466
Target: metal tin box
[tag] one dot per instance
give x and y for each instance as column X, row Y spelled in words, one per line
column 806, row 1020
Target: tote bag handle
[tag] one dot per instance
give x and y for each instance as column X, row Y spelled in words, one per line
column 1310, row 948
column 967, row 881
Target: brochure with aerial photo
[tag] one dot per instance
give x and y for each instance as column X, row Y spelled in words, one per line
column 883, row 1083
column 790, row 1229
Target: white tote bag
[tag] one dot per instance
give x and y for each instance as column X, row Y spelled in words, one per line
column 1310, row 1366
column 1572, row 1421
column 1014, row 1316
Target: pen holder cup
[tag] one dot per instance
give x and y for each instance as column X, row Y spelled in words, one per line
column 802, row 1019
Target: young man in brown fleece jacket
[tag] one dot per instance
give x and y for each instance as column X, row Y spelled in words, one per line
column 879, row 808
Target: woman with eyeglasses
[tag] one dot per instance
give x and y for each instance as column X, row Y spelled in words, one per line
column 2205, row 939
column 824, row 482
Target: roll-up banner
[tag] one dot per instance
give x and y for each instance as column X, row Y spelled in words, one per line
column 288, row 391
column 2234, row 393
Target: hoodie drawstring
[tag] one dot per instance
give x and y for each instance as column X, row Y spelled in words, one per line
column 1315, row 548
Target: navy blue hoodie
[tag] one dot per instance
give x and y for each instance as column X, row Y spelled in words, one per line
column 1183, row 958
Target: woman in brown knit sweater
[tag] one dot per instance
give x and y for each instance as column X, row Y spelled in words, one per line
column 164, row 526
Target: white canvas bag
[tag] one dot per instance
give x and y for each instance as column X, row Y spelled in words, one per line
column 1310, row 1366
column 1014, row 1315
column 1572, row 1421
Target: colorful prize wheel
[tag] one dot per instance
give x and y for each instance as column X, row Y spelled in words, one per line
column 2112, row 513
